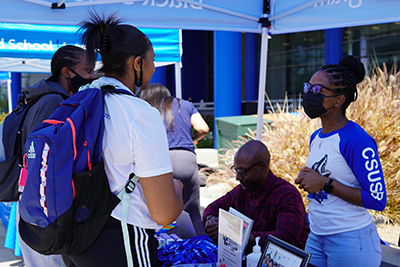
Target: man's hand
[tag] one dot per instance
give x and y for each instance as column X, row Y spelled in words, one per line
column 252, row 240
column 211, row 228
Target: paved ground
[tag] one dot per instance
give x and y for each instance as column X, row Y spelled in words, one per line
column 7, row 257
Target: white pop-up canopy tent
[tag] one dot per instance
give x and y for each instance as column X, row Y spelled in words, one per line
column 218, row 15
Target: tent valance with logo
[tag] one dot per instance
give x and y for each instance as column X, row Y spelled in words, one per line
column 30, row 47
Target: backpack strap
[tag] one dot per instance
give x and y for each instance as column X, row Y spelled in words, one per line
column 125, row 196
column 111, row 89
column 21, row 97
column 22, row 102
column 13, row 123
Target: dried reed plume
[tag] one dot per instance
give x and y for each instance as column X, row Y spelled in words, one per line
column 3, row 116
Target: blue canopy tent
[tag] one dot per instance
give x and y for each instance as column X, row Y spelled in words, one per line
column 257, row 16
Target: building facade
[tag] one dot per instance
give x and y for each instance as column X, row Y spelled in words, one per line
column 292, row 58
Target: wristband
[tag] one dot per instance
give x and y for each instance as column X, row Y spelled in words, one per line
column 209, row 217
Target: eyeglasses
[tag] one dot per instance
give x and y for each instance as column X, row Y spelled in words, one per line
column 242, row 172
column 316, row 88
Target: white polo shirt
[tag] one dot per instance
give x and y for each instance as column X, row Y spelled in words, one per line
column 134, row 141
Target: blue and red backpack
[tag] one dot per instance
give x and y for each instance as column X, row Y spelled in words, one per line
column 67, row 199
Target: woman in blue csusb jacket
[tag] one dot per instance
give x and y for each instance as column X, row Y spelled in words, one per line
column 343, row 177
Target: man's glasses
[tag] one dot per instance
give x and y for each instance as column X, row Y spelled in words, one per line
column 242, row 172
column 315, row 88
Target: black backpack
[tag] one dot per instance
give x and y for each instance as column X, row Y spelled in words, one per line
column 13, row 149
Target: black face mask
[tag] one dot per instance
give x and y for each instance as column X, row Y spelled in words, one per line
column 313, row 105
column 77, row 81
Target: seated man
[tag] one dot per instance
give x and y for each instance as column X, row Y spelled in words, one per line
column 274, row 204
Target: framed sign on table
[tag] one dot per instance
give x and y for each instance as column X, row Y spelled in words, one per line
column 277, row 252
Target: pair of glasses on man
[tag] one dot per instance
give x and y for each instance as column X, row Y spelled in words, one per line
column 316, row 88
column 242, row 172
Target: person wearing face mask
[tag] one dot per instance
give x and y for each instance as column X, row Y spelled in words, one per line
column 343, row 176
column 77, row 80
column 134, row 141
column 70, row 69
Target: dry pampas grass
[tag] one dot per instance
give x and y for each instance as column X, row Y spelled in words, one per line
column 376, row 110
column 3, row 116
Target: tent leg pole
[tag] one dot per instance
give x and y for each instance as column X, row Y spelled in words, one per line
column 262, row 82
column 178, row 80
column 9, row 94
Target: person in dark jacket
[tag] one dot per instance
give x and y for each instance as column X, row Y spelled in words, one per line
column 70, row 69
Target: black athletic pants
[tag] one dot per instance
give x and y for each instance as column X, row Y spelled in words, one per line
column 108, row 249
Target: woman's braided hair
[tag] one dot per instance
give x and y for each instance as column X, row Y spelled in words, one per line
column 345, row 76
column 66, row 56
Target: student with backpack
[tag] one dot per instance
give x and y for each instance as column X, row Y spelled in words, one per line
column 134, row 141
column 70, row 69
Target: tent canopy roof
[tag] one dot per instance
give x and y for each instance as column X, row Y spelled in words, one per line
column 216, row 15
column 228, row 15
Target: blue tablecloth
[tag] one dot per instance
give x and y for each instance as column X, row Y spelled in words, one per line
column 8, row 213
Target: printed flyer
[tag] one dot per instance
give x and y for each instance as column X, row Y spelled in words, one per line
column 247, row 226
column 230, row 238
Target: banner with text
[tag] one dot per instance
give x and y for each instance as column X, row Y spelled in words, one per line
column 41, row 41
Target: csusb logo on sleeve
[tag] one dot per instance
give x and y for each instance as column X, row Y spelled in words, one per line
column 375, row 177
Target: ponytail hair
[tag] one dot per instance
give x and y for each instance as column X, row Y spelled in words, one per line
column 116, row 42
column 345, row 76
